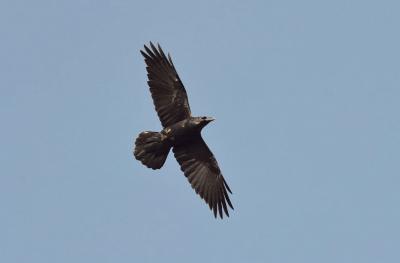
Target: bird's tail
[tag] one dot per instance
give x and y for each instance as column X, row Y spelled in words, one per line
column 151, row 150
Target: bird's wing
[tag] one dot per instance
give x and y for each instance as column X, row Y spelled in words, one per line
column 169, row 94
column 201, row 168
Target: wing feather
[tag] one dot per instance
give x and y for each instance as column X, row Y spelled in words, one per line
column 201, row 169
column 167, row 90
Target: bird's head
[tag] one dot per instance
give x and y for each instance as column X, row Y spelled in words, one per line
column 203, row 121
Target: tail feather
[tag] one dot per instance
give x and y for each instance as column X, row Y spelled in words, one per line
column 151, row 150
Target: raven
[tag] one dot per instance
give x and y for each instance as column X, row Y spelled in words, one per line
column 181, row 132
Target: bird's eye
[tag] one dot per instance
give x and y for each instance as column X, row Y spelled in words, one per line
column 204, row 118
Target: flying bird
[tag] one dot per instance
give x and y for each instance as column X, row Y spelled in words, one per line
column 182, row 133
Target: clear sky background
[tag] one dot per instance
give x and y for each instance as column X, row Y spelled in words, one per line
column 306, row 96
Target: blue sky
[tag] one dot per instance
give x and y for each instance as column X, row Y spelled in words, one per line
column 307, row 132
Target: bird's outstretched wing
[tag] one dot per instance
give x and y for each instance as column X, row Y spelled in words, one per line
column 169, row 94
column 201, row 168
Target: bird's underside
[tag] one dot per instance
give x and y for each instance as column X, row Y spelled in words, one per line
column 181, row 132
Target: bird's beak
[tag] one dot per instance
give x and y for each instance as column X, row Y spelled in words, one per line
column 210, row 119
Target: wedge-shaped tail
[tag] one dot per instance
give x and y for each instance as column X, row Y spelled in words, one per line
column 151, row 150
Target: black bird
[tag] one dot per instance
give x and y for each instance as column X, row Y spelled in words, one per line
column 181, row 132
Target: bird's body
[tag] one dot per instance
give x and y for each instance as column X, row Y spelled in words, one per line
column 181, row 132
